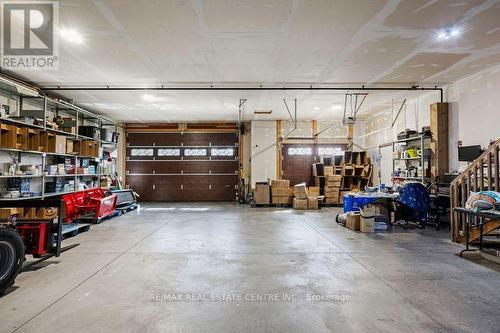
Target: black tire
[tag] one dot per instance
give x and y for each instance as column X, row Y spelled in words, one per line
column 11, row 257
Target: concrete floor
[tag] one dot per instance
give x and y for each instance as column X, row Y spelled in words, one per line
column 231, row 268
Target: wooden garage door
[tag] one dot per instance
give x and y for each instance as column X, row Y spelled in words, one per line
column 183, row 166
column 298, row 160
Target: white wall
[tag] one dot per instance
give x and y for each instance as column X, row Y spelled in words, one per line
column 304, row 129
column 263, row 159
column 474, row 117
column 10, row 100
column 379, row 131
column 474, row 112
column 336, row 133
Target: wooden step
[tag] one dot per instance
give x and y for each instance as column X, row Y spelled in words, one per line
column 475, row 232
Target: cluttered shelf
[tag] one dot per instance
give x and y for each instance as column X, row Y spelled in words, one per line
column 72, row 156
column 411, row 156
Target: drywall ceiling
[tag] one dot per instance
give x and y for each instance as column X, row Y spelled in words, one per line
column 273, row 42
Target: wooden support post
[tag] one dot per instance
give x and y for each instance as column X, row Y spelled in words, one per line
column 439, row 143
column 315, row 130
column 350, row 135
column 278, row 149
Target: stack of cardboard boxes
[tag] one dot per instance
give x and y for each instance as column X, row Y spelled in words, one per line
column 300, row 196
column 281, row 192
column 367, row 220
column 333, row 184
column 363, row 221
column 305, row 198
column 312, row 198
column 29, row 213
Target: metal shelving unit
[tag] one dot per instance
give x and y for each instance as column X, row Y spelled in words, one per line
column 421, row 160
column 49, row 107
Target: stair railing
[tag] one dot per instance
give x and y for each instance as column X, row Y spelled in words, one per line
column 480, row 175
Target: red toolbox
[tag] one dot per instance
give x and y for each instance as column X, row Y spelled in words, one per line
column 34, row 237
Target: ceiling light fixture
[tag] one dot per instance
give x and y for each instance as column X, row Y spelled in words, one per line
column 449, row 33
column 71, row 35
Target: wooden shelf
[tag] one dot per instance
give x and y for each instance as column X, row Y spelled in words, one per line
column 27, row 141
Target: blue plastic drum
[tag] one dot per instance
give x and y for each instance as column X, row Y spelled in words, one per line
column 348, row 203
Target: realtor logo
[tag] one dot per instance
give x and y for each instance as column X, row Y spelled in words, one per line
column 29, row 39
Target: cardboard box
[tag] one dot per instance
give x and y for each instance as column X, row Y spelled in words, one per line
column 28, row 213
column 300, row 204
column 8, row 136
column 334, row 178
column 87, row 148
column 367, row 221
column 313, row 191
column 312, row 202
column 60, row 144
column 328, row 171
column 281, row 192
column 332, row 200
column 353, row 221
column 262, row 194
column 282, row 200
column 332, row 190
column 69, row 146
column 6, row 212
column 22, row 138
column 333, row 184
column 300, row 191
column 47, row 141
column 46, row 213
column 34, row 139
column 280, row 183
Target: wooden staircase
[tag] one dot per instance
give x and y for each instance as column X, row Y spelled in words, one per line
column 481, row 175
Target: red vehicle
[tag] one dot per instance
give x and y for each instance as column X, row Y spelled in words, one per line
column 11, row 256
column 40, row 236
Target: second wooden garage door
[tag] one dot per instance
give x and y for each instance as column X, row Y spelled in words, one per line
column 183, row 166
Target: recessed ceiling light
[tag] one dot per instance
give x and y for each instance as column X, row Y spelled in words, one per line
column 148, row 97
column 316, row 108
column 71, row 35
column 449, row 33
column 455, row 32
column 336, row 107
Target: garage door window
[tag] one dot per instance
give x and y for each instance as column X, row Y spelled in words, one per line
column 141, row 152
column 329, row 151
column 169, row 152
column 300, row 151
column 195, row 152
column 222, row 152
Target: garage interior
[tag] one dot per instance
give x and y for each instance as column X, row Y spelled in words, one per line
column 250, row 166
